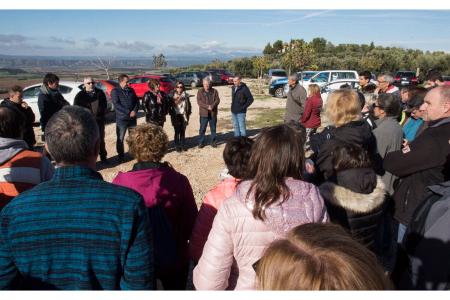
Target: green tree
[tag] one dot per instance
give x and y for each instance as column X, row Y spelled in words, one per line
column 268, row 50
column 297, row 54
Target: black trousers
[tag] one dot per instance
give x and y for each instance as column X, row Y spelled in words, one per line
column 101, row 129
column 179, row 125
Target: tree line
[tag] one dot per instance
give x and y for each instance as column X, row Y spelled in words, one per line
column 319, row 54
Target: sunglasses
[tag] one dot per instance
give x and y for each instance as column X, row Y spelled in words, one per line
column 179, row 87
column 90, row 82
column 375, row 105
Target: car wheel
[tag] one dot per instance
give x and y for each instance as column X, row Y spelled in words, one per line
column 279, row 92
column 193, row 84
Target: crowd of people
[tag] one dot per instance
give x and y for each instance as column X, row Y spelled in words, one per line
column 352, row 194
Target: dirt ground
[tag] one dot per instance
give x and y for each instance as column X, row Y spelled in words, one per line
column 201, row 166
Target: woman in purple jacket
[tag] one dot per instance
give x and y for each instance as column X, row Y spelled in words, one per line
column 159, row 184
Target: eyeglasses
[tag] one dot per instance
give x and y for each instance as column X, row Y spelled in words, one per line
column 90, row 82
column 376, row 105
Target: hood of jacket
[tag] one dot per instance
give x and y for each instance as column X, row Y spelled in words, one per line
column 355, row 132
column 352, row 201
column 303, row 206
column 9, row 148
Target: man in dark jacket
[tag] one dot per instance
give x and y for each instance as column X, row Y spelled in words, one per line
column 16, row 102
column 94, row 99
column 50, row 99
column 208, row 100
column 241, row 99
column 126, row 105
column 425, row 161
column 296, row 99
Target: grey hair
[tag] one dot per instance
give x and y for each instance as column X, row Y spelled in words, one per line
column 71, row 135
column 207, row 79
column 388, row 77
column 444, row 93
column 293, row 77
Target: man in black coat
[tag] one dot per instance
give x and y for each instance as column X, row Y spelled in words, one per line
column 16, row 102
column 50, row 99
column 126, row 105
column 241, row 99
column 94, row 99
column 424, row 162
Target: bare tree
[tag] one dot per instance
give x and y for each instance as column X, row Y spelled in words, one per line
column 104, row 64
column 159, row 61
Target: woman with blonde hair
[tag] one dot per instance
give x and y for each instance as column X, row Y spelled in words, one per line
column 319, row 257
column 161, row 185
column 271, row 199
column 343, row 110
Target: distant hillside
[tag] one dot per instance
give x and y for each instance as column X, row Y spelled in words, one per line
column 82, row 63
column 10, row 71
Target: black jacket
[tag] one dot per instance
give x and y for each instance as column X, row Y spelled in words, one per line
column 355, row 132
column 95, row 102
column 358, row 213
column 49, row 102
column 173, row 113
column 156, row 112
column 241, row 98
column 28, row 114
column 125, row 101
column 426, row 163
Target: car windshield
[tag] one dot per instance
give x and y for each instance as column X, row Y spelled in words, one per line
column 164, row 79
column 279, row 73
column 307, row 75
column 404, row 74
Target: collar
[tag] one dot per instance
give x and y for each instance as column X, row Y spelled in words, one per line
column 144, row 165
column 72, row 172
column 439, row 122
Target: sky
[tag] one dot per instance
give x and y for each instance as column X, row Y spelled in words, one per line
column 142, row 33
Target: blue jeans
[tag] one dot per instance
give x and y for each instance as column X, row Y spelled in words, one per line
column 121, row 128
column 239, row 124
column 204, row 124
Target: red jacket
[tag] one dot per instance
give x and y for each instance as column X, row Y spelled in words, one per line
column 311, row 115
column 211, row 203
column 163, row 185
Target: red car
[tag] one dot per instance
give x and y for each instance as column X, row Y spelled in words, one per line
column 140, row 84
column 106, row 86
column 225, row 76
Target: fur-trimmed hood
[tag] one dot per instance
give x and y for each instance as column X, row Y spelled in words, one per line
column 355, row 202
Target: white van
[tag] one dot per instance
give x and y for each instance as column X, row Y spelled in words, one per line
column 324, row 77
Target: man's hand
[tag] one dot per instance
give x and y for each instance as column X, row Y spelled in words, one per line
column 24, row 104
column 132, row 114
column 209, row 107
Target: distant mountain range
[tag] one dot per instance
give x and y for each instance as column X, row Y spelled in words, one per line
column 83, row 62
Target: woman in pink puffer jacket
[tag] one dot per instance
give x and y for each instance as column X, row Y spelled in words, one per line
column 264, row 207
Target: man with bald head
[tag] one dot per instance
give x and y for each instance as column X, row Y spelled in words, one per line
column 296, row 99
column 94, row 99
column 425, row 161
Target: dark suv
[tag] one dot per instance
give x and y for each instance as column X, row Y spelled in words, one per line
column 404, row 78
column 192, row 79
